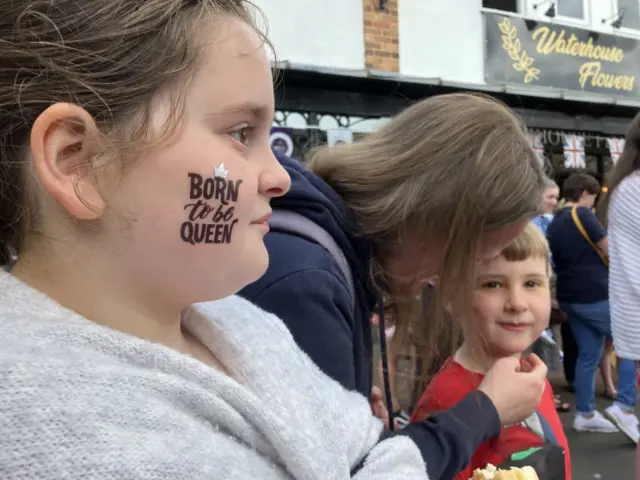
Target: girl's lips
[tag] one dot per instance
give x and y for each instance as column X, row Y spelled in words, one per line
column 515, row 327
column 263, row 220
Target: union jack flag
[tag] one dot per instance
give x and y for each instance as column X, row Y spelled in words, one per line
column 616, row 147
column 574, row 151
column 535, row 138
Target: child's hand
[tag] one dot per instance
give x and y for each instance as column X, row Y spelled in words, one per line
column 379, row 409
column 515, row 388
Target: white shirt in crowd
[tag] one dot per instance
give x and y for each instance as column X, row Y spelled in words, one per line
column 624, row 268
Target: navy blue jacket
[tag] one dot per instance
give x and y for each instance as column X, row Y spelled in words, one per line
column 306, row 289
column 582, row 277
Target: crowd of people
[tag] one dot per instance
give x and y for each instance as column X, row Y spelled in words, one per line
column 579, row 244
column 154, row 325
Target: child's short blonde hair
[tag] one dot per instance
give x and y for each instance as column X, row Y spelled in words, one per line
column 530, row 243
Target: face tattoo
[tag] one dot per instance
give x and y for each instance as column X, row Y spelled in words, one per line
column 210, row 212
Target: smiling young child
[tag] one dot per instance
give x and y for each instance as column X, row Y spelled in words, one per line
column 511, row 308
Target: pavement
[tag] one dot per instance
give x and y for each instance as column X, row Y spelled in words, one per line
column 596, row 456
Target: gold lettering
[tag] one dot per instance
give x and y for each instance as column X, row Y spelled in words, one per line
column 592, row 73
column 544, row 38
column 574, row 46
column 597, row 52
column 587, row 49
column 560, row 44
column 549, row 41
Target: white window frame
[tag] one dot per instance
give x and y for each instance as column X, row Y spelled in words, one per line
column 538, row 13
column 615, row 8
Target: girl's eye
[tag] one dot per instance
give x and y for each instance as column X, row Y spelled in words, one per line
column 532, row 284
column 491, row 285
column 241, row 135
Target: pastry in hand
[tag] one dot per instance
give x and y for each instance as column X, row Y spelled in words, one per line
column 514, row 473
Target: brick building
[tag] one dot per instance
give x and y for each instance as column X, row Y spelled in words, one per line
column 381, row 36
column 570, row 68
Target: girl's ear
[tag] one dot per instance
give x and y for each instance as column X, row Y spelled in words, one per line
column 61, row 150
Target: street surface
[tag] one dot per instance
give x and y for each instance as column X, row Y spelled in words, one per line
column 596, row 456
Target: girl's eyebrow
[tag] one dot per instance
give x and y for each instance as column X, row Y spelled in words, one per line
column 249, row 108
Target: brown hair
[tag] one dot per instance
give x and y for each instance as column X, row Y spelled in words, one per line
column 578, row 183
column 530, row 243
column 449, row 167
column 628, row 163
column 108, row 57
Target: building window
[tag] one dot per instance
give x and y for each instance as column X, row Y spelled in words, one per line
column 571, row 9
column 630, row 12
column 504, row 5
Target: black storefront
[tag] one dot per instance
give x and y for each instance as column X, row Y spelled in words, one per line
column 543, row 78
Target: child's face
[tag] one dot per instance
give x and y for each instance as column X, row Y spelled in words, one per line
column 202, row 203
column 189, row 217
column 512, row 303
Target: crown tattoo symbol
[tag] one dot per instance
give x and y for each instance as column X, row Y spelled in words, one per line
column 220, row 171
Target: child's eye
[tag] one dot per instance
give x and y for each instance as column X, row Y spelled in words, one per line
column 532, row 284
column 491, row 285
column 241, row 135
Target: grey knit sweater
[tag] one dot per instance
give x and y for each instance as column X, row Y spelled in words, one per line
column 82, row 401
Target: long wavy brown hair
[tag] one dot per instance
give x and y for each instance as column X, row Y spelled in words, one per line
column 450, row 168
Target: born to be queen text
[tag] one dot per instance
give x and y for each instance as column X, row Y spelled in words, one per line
column 210, row 223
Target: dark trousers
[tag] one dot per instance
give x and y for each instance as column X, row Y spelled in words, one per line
column 570, row 349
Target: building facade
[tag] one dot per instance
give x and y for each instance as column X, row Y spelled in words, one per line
column 570, row 68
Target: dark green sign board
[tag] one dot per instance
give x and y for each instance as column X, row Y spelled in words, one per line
column 528, row 52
